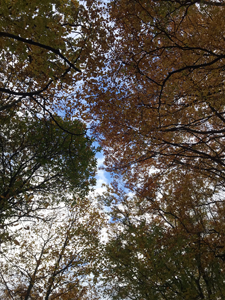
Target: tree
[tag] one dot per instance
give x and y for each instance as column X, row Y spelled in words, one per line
column 47, row 159
column 43, row 45
column 53, row 259
column 42, row 164
column 160, row 102
column 154, row 263
column 158, row 112
column 175, row 253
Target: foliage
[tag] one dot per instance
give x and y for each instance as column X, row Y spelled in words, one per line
column 157, row 110
column 53, row 259
column 153, row 93
column 43, row 45
column 160, row 100
column 177, row 253
column 47, row 159
column 41, row 163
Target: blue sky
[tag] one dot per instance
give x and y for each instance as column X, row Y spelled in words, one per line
column 102, row 176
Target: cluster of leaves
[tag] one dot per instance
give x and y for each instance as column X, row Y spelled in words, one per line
column 167, row 247
column 52, row 259
column 158, row 112
column 47, row 160
column 42, row 47
column 39, row 160
column 162, row 96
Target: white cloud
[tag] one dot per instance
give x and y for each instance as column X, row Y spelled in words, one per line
column 101, row 176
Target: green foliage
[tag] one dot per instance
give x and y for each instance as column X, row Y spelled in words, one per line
column 41, row 160
column 147, row 259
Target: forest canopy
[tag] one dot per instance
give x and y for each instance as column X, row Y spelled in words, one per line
column 145, row 79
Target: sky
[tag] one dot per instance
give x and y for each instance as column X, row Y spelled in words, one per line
column 102, row 176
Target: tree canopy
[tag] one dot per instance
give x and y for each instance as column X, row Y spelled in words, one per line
column 43, row 46
column 53, row 259
column 160, row 101
column 158, row 112
column 45, row 151
column 146, row 80
column 167, row 248
column 40, row 161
